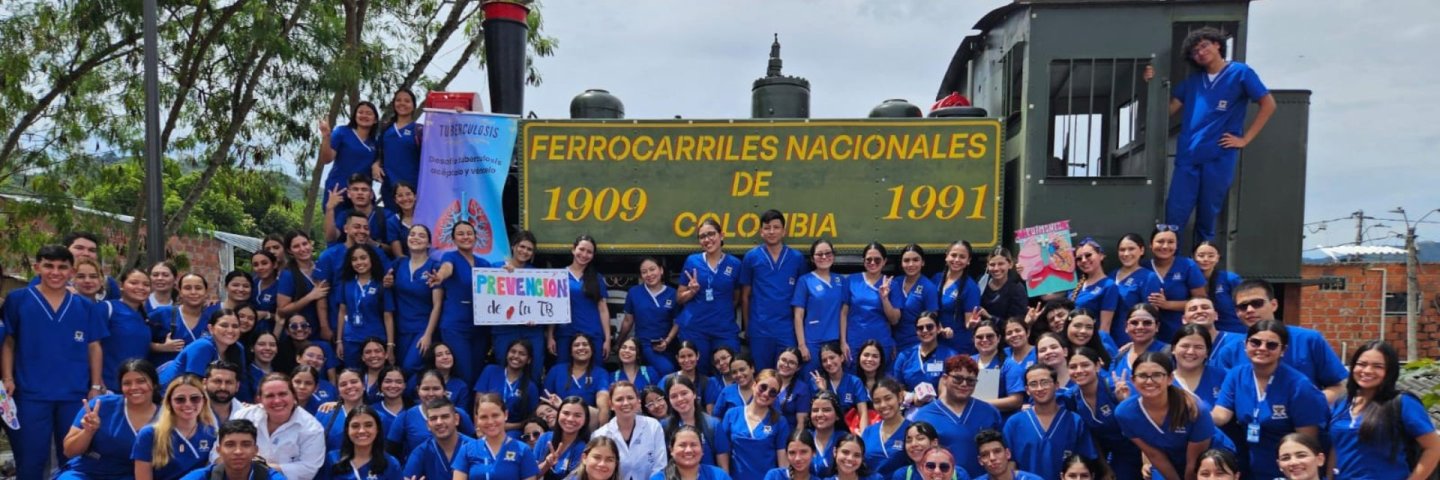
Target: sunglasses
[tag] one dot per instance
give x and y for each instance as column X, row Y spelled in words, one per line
column 941, row 467
column 986, row 336
column 1165, row 227
column 299, row 326
column 925, row 328
column 190, row 399
column 710, row 234
column 875, row 260
column 1142, row 323
column 530, row 436
column 824, row 254
column 1253, row 304
column 1266, row 344
column 765, row 389
column 963, row 380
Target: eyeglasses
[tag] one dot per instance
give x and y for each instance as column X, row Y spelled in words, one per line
column 1266, row 344
column 824, row 254
column 963, row 379
column 941, row 467
column 1165, row 227
column 299, row 326
column 527, row 436
column 1253, row 304
column 190, row 399
column 1040, row 383
column 986, row 336
column 654, row 403
column 709, row 234
column 874, row 260
column 1150, row 377
column 1086, row 256
column 925, row 328
column 1145, row 322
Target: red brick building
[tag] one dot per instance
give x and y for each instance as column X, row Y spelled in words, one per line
column 1360, row 297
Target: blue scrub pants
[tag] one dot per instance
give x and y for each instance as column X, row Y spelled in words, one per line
column 536, row 340
column 41, row 422
column 352, row 350
column 1125, row 461
column 765, row 350
column 660, row 361
column 407, row 354
column 469, row 345
column 1200, row 186
column 707, row 342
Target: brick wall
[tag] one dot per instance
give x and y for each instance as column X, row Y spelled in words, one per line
column 1351, row 316
column 201, row 251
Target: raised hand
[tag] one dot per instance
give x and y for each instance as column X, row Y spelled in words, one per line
column 432, row 278
column 337, row 196
column 376, row 172
column 1031, row 314
column 885, row 286
column 973, row 319
column 324, row 128
column 1122, row 389
column 389, row 279
column 90, row 423
column 694, row 280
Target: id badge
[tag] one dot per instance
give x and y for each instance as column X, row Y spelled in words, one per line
column 710, row 294
column 1252, row 433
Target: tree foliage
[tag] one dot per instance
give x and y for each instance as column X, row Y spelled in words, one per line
column 242, row 83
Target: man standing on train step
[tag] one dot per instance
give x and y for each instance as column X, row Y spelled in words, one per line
column 1212, row 102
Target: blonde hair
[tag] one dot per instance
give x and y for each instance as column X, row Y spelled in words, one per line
column 160, row 452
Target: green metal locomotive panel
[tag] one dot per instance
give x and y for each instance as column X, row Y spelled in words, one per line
column 645, row 186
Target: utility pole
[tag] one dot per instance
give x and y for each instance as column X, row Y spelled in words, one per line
column 1412, row 285
column 1359, row 227
column 154, row 185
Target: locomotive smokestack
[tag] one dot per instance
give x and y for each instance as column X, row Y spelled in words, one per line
column 505, row 32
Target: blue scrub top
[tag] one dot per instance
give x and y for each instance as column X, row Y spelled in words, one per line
column 707, row 472
column 909, row 472
column 566, row 462
column 885, row 455
column 1212, row 109
column 1130, row 291
column 654, row 313
column 822, row 299
column 129, row 338
column 795, row 399
column 559, row 382
column 921, row 297
column 1227, row 318
column 333, row 423
column 364, row 309
column 1012, row 377
column 956, row 302
column 204, row 474
column 428, row 460
column 412, row 429
column 866, row 319
column 266, row 298
column 1183, row 276
column 1093, row 298
column 645, row 376
column 730, row 398
column 353, row 154
column 457, row 313
column 171, row 320
column 513, row 460
column 396, row 230
column 1210, row 383
column 772, row 285
column 912, row 367
column 850, row 391
column 584, row 312
column 1122, row 357
column 109, row 452
column 825, row 454
column 710, row 444
column 112, row 288
column 400, row 148
column 1290, row 401
column 1100, row 420
column 753, row 450
column 1168, row 437
column 186, row 454
column 712, row 309
column 331, row 267
column 288, row 285
column 195, row 359
column 387, row 417
column 1043, row 450
column 1379, row 458
column 494, row 380
column 393, row 469
column 411, row 299
column 54, row 343
column 958, row 429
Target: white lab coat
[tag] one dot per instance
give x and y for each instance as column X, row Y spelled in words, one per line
column 644, row 454
column 296, row 449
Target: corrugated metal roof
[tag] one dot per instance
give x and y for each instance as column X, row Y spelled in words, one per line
column 1336, row 253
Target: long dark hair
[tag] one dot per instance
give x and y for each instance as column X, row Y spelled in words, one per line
column 583, row 434
column 236, row 353
column 298, row 278
column 355, row 119
column 522, row 400
column 378, row 462
column 146, row 369
column 673, row 425
column 1180, row 404
column 701, row 382
column 671, row 471
column 589, row 279
column 1095, row 343
column 1215, row 275
column 1381, row 415
column 427, row 362
column 870, row 381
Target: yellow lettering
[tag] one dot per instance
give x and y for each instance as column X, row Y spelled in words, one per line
column 643, row 141
column 827, row 227
column 817, row 147
column 836, row 151
column 796, row 147
column 978, row 149
column 957, row 145
column 597, row 147
column 685, row 224
column 748, row 147
column 537, row 145
column 748, row 225
column 576, row 146
column 768, row 148
column 685, row 148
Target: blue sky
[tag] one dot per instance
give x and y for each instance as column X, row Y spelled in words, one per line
column 1372, row 138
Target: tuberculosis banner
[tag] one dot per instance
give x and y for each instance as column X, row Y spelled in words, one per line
column 1047, row 258
column 463, row 163
column 522, row 297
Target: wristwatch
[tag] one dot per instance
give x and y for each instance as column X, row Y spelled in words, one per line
column 97, row 388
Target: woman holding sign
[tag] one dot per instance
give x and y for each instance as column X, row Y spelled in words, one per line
column 708, row 286
column 589, row 315
column 457, row 315
column 522, row 251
